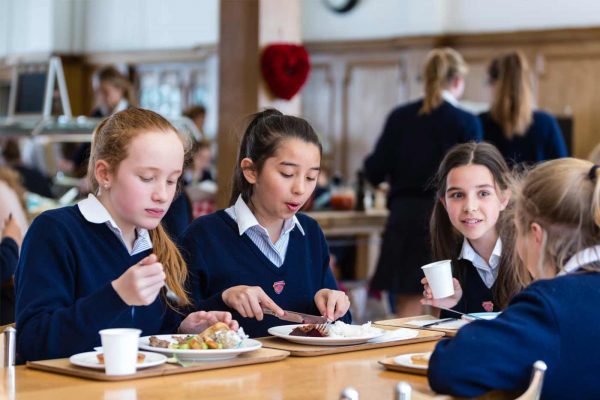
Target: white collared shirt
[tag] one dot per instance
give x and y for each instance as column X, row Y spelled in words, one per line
column 95, row 212
column 247, row 223
column 585, row 256
column 487, row 272
column 446, row 95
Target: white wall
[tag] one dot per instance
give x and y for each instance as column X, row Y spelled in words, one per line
column 87, row 26
column 511, row 15
column 373, row 19
column 26, row 26
column 114, row 25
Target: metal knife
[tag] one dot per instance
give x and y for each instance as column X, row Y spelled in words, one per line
column 299, row 318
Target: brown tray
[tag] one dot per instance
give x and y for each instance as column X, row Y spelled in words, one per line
column 63, row 366
column 403, row 323
column 390, row 364
column 304, row 350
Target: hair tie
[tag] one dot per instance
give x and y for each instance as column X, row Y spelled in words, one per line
column 592, row 173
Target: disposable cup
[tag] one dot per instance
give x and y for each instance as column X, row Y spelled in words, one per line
column 120, row 347
column 439, row 277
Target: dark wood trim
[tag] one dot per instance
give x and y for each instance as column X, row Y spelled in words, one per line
column 512, row 38
column 152, row 56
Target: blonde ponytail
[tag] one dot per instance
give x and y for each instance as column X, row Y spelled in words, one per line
column 441, row 68
column 512, row 106
column 175, row 267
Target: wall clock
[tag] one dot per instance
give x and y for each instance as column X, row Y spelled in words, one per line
column 340, row 6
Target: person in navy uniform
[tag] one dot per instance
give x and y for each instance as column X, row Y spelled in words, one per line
column 260, row 252
column 414, row 140
column 522, row 134
column 472, row 225
column 557, row 216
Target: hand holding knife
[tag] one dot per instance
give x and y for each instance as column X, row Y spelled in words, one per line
column 299, row 318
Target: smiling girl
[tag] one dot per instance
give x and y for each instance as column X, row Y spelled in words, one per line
column 259, row 252
column 553, row 319
column 470, row 226
column 106, row 262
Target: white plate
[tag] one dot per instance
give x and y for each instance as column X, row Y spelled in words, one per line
column 89, row 360
column 283, row 332
column 405, row 361
column 477, row 315
column 200, row 355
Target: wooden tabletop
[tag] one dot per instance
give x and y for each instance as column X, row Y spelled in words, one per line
column 293, row 378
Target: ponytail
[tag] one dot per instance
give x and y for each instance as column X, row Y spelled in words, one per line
column 175, row 267
column 512, row 106
column 266, row 130
column 595, row 178
column 441, row 68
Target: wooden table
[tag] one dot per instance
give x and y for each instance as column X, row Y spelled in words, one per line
column 293, row 378
column 365, row 226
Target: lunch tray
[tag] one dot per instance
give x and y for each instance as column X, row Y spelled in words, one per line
column 403, row 323
column 305, row 350
column 63, row 366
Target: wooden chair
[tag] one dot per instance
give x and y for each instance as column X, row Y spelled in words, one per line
column 537, row 380
column 404, row 391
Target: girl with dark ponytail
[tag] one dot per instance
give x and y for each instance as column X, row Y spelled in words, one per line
column 260, row 253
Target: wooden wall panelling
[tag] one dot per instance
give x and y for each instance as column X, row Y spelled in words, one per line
column 372, row 89
column 568, row 86
column 318, row 107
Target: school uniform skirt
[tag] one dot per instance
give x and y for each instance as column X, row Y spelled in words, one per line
column 405, row 247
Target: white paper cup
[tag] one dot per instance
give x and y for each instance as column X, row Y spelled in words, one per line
column 120, row 347
column 439, row 277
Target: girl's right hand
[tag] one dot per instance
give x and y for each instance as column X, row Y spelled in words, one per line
column 141, row 283
column 249, row 301
column 446, row 302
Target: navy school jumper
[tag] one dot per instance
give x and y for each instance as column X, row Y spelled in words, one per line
column 219, row 258
column 63, row 285
column 552, row 320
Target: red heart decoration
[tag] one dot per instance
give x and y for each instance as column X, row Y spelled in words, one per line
column 285, row 67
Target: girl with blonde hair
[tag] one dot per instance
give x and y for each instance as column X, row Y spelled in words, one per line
column 414, row 140
column 522, row 134
column 107, row 262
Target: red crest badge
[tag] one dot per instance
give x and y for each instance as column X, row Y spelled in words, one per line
column 488, row 306
column 278, row 286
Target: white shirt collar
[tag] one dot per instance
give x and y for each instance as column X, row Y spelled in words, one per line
column 586, row 256
column 245, row 218
column 469, row 253
column 95, row 212
column 121, row 105
column 446, row 95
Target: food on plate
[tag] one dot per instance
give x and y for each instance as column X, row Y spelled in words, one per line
column 310, row 330
column 420, row 359
column 217, row 336
column 337, row 330
column 140, row 357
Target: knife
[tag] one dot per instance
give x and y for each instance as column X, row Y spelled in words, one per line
column 299, row 318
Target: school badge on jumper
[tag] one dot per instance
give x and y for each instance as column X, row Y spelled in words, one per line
column 488, row 306
column 278, row 286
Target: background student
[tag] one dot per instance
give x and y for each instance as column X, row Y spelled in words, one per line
column 522, row 134
column 13, row 225
column 414, row 140
column 558, row 239
column 259, row 252
column 471, row 225
column 106, row 262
